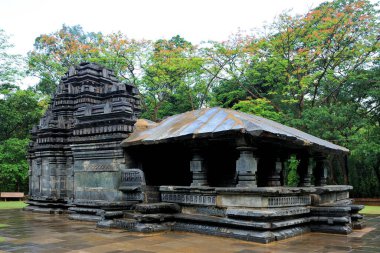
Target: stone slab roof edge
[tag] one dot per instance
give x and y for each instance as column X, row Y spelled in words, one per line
column 209, row 122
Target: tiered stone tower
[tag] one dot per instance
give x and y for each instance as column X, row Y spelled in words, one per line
column 77, row 141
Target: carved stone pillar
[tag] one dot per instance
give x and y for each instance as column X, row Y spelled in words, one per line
column 198, row 168
column 305, row 171
column 246, row 168
column 320, row 172
column 275, row 178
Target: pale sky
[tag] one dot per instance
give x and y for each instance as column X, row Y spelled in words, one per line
column 195, row 20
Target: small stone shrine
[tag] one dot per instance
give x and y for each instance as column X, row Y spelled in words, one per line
column 213, row 171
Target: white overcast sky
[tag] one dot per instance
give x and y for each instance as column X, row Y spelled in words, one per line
column 195, row 20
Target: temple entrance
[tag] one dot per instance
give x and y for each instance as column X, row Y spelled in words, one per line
column 169, row 164
column 163, row 164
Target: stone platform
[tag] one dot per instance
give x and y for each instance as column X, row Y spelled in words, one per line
column 264, row 214
column 32, row 232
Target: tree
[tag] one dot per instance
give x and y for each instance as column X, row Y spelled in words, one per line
column 168, row 83
column 315, row 54
column 124, row 56
column 312, row 69
column 19, row 112
column 226, row 69
column 260, row 107
column 13, row 164
column 11, row 65
column 54, row 53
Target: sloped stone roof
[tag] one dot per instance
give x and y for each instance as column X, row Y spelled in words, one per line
column 209, row 122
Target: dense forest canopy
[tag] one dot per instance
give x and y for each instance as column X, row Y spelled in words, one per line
column 318, row 72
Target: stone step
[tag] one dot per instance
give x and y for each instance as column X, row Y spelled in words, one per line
column 356, row 208
column 256, row 225
column 334, row 229
column 84, row 217
column 288, row 223
column 135, row 226
column 202, row 219
column 48, row 204
column 241, row 233
column 85, row 210
column 111, row 214
column 161, row 207
column 330, row 211
column 148, row 218
column 330, row 220
column 266, row 213
column 356, row 217
column 358, row 225
column 48, row 210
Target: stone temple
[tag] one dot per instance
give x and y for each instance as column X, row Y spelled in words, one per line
column 214, row 171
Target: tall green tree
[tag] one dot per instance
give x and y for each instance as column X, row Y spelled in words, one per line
column 13, row 165
column 168, row 83
column 19, row 112
column 315, row 54
column 54, row 53
column 11, row 65
column 312, row 69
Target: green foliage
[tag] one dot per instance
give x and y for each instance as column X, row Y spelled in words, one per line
column 54, row 53
column 227, row 95
column 365, row 162
column 14, row 167
column 168, row 80
column 292, row 178
column 260, row 107
column 11, row 65
column 19, row 112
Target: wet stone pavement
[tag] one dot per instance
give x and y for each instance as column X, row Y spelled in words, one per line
column 30, row 232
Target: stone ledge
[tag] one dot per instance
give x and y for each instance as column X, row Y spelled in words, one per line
column 266, row 213
column 158, row 208
column 84, row 217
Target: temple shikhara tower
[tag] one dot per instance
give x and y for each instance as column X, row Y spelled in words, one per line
column 213, row 170
column 76, row 147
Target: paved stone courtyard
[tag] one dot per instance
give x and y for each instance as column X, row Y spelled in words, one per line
column 31, row 232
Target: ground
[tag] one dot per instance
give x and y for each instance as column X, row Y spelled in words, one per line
column 31, row 232
column 371, row 210
column 12, row 204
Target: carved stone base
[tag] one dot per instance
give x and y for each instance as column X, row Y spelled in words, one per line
column 47, row 207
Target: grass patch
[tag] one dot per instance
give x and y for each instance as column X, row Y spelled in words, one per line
column 2, row 239
column 12, row 204
column 371, row 210
column 3, row 225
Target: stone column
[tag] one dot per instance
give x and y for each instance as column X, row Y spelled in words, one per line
column 320, row 172
column 198, row 168
column 275, row 178
column 305, row 171
column 246, row 167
